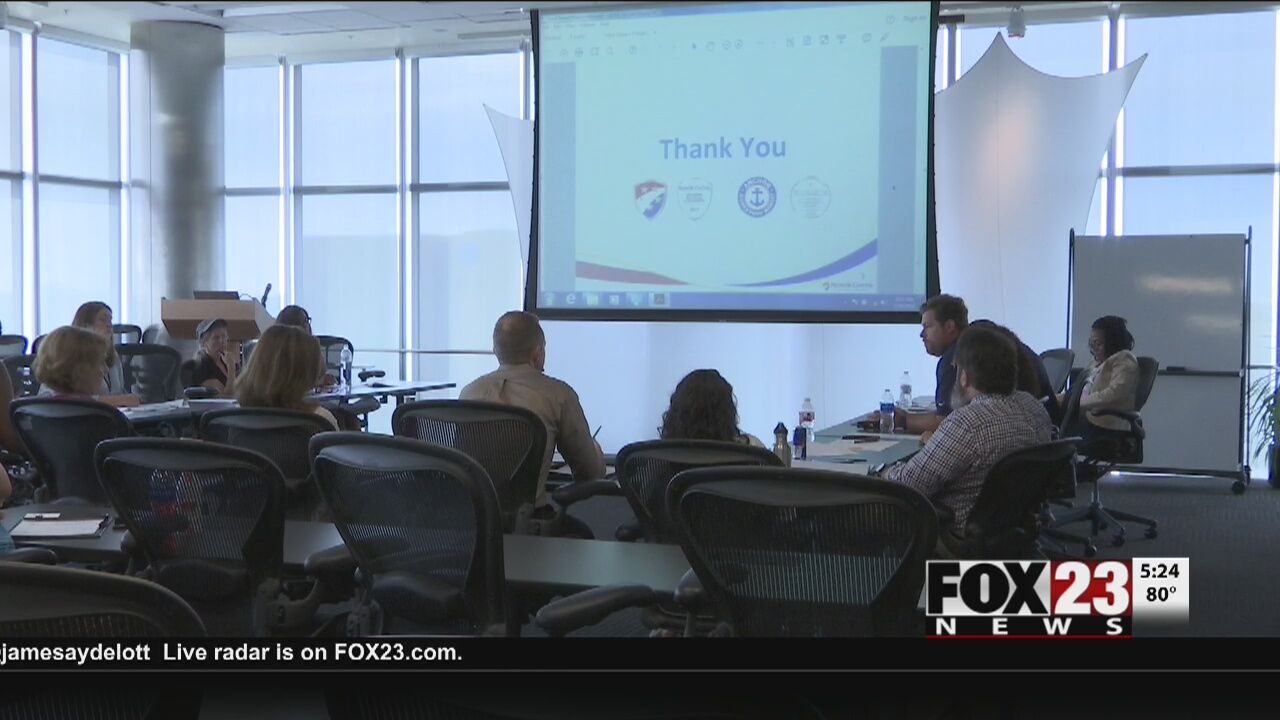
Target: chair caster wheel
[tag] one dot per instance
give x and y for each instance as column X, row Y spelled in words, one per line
column 1238, row 487
column 1151, row 533
column 1117, row 540
column 1090, row 550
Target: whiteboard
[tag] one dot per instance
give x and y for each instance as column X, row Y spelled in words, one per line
column 1184, row 297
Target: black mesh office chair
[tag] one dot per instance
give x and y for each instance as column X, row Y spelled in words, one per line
column 509, row 443
column 60, row 434
column 644, row 470
column 1057, row 363
column 282, row 436
column 331, row 346
column 780, row 551
column 11, row 345
column 126, row 334
column 1005, row 520
column 35, row 344
column 150, row 371
column 1099, row 457
column 44, row 601
column 424, row 527
column 21, row 376
column 209, row 522
column 798, row 552
column 246, row 349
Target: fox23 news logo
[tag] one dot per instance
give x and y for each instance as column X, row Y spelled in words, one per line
column 1042, row 598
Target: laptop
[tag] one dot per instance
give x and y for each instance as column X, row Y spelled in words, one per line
column 216, row 295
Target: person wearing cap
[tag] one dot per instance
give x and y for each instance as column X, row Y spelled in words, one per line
column 215, row 368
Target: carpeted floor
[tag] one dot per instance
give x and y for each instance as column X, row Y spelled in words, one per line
column 1233, row 542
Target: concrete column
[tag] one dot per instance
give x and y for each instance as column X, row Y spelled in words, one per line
column 176, row 162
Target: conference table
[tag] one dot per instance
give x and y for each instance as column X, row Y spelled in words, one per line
column 182, row 411
column 533, row 563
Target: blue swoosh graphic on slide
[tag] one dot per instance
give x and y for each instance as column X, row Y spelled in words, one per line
column 848, row 262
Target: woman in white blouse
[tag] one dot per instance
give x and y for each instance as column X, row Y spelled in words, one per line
column 1110, row 381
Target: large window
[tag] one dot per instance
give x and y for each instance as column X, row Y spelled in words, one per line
column 467, row 253
column 78, row 113
column 10, row 182
column 255, row 192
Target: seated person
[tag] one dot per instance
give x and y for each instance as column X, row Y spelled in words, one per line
column 1033, row 378
column 1110, row 381
column 9, row 439
column 297, row 316
column 71, row 363
column 942, row 319
column 96, row 316
column 703, row 407
column 521, row 347
column 215, row 368
column 281, row 372
column 5, row 489
column 990, row 419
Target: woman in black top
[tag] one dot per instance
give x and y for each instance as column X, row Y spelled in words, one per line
column 214, row 369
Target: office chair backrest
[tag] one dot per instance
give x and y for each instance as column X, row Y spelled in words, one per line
column 509, row 442
column 1148, row 368
column 186, row 374
column 644, row 470
column 126, row 334
column 1057, row 363
column 11, row 345
column 61, row 434
column 208, row 518
column 35, row 344
column 246, row 349
column 150, row 371
column 21, row 376
column 331, row 347
column 1003, row 522
column 415, row 515
column 800, row 552
column 50, row 601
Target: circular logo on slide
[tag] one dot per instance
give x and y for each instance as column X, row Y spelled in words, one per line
column 695, row 197
column 651, row 196
column 811, row 197
column 757, row 197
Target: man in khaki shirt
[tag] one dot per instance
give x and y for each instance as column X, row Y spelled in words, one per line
column 521, row 348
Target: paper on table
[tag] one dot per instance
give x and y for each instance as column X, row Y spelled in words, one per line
column 156, row 407
column 848, row 447
column 58, row 528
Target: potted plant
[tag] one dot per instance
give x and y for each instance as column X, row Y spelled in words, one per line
column 1264, row 420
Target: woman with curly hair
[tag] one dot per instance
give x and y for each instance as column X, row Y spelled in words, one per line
column 703, row 408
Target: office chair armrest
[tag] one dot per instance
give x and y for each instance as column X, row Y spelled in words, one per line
column 591, row 606
column 364, row 375
column 690, row 593
column 334, row 562
column 628, row 532
column 1133, row 418
column 31, row 555
column 575, row 492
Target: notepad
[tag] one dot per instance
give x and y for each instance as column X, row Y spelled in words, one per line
column 849, row 447
column 89, row 527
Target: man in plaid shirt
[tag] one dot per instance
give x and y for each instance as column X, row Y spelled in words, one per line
column 989, row 420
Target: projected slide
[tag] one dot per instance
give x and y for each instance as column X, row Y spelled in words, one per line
column 750, row 157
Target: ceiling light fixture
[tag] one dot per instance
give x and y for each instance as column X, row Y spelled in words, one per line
column 1017, row 24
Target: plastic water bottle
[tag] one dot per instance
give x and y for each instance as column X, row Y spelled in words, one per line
column 904, row 390
column 344, row 368
column 806, row 419
column 886, row 412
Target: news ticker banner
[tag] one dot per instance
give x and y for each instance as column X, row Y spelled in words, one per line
column 1055, row 598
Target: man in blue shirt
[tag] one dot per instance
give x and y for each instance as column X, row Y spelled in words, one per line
column 942, row 319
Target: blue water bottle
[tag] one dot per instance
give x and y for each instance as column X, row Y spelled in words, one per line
column 800, row 443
